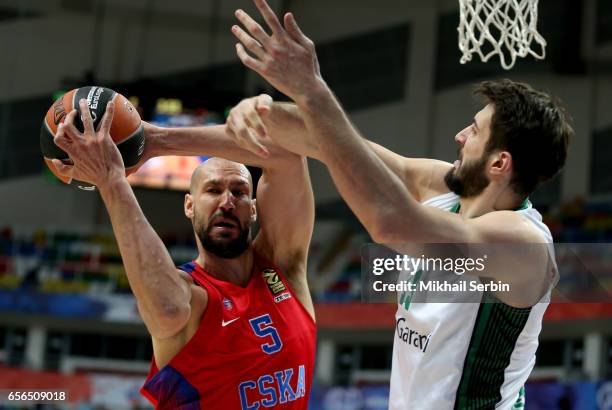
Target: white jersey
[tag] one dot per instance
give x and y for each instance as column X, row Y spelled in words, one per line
column 465, row 355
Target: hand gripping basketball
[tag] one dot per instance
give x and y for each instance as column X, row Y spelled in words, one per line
column 127, row 130
column 94, row 155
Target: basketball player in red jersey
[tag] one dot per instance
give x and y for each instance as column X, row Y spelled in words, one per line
column 234, row 329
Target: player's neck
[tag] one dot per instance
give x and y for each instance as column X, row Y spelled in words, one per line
column 493, row 198
column 236, row 270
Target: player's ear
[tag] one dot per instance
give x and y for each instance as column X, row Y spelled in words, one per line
column 253, row 210
column 501, row 163
column 188, row 206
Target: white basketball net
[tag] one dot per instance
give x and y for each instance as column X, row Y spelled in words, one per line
column 499, row 27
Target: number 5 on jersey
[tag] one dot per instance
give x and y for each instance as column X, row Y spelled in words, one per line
column 262, row 326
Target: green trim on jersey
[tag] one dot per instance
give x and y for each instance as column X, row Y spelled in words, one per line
column 406, row 297
column 519, row 404
column 496, row 332
column 524, row 205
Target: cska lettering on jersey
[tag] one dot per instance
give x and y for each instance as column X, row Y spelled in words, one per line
column 272, row 390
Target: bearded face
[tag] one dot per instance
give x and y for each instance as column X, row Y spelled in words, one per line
column 224, row 235
column 469, row 179
column 221, row 207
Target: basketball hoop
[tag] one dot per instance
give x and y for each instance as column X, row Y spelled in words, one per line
column 499, row 27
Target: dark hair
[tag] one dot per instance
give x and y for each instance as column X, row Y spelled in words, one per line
column 532, row 126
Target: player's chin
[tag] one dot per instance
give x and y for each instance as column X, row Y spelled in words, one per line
column 225, row 234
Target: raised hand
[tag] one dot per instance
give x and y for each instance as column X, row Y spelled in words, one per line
column 95, row 157
column 286, row 58
column 245, row 124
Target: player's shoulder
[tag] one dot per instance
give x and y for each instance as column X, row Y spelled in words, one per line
column 199, row 296
column 508, row 226
column 185, row 276
column 168, row 347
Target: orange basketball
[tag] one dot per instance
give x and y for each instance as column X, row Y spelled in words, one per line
column 126, row 129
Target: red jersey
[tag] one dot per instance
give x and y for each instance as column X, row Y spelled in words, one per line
column 254, row 348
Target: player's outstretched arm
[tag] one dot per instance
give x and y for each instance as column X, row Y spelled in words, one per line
column 212, row 141
column 283, row 124
column 285, row 202
column 287, row 60
column 164, row 297
column 285, row 205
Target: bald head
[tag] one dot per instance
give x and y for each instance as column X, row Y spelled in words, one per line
column 221, row 207
column 214, row 167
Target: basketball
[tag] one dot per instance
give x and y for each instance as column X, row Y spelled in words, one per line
column 126, row 129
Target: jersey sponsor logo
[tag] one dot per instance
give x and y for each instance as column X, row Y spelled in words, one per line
column 412, row 337
column 282, row 296
column 224, row 323
column 273, row 281
column 271, row 390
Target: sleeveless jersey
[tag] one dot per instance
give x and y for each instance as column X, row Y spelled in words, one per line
column 254, row 348
column 465, row 355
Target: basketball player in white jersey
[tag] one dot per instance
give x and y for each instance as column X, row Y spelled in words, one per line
column 463, row 356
